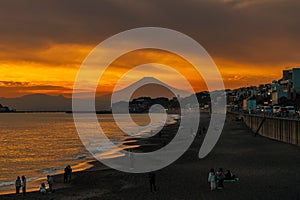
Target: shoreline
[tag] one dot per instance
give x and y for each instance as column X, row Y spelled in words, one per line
column 10, row 189
column 257, row 161
column 33, row 183
column 135, row 143
column 141, row 145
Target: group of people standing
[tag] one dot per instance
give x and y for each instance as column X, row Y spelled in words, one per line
column 67, row 174
column 21, row 184
column 43, row 189
column 216, row 179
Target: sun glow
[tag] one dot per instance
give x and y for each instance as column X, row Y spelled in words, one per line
column 53, row 69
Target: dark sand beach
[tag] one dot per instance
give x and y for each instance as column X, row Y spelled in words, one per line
column 267, row 170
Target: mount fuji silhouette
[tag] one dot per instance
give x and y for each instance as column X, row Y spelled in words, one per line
column 149, row 87
column 145, row 87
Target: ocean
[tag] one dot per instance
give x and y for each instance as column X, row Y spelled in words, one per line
column 38, row 144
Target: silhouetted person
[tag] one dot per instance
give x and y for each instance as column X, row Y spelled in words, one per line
column 18, row 185
column 203, row 130
column 212, row 180
column 228, row 175
column 220, row 178
column 69, row 172
column 159, row 134
column 212, row 170
column 151, row 176
column 24, row 185
column 66, row 175
column 50, row 183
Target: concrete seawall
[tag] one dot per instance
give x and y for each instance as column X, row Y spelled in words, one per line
column 281, row 129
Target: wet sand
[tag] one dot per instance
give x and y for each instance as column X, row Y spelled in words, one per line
column 267, row 170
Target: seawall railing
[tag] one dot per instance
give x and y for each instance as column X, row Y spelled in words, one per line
column 277, row 128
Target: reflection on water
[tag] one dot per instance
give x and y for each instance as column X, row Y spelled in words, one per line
column 37, row 144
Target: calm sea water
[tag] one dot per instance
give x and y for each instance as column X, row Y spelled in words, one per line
column 37, row 144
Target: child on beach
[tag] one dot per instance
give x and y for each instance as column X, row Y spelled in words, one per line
column 212, row 179
column 43, row 188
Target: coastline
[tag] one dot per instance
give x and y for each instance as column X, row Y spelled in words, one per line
column 90, row 166
column 260, row 163
column 34, row 183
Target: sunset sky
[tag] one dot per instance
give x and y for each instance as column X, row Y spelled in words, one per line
column 43, row 43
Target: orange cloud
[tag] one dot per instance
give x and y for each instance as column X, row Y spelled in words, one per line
column 54, row 65
column 139, row 57
column 57, row 66
column 45, row 42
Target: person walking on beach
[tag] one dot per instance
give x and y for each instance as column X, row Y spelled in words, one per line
column 212, row 179
column 66, row 175
column 203, row 130
column 220, row 178
column 24, row 185
column 69, row 172
column 18, row 185
column 151, row 176
column 50, row 183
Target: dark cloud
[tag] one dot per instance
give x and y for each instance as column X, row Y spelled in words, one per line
column 260, row 32
column 48, row 87
column 12, row 89
column 26, row 86
column 13, row 83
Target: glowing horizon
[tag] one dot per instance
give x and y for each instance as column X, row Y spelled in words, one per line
column 54, row 75
column 42, row 51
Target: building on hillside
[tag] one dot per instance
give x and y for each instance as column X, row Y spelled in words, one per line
column 296, row 79
column 249, row 104
column 290, row 83
column 277, row 92
column 4, row 108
